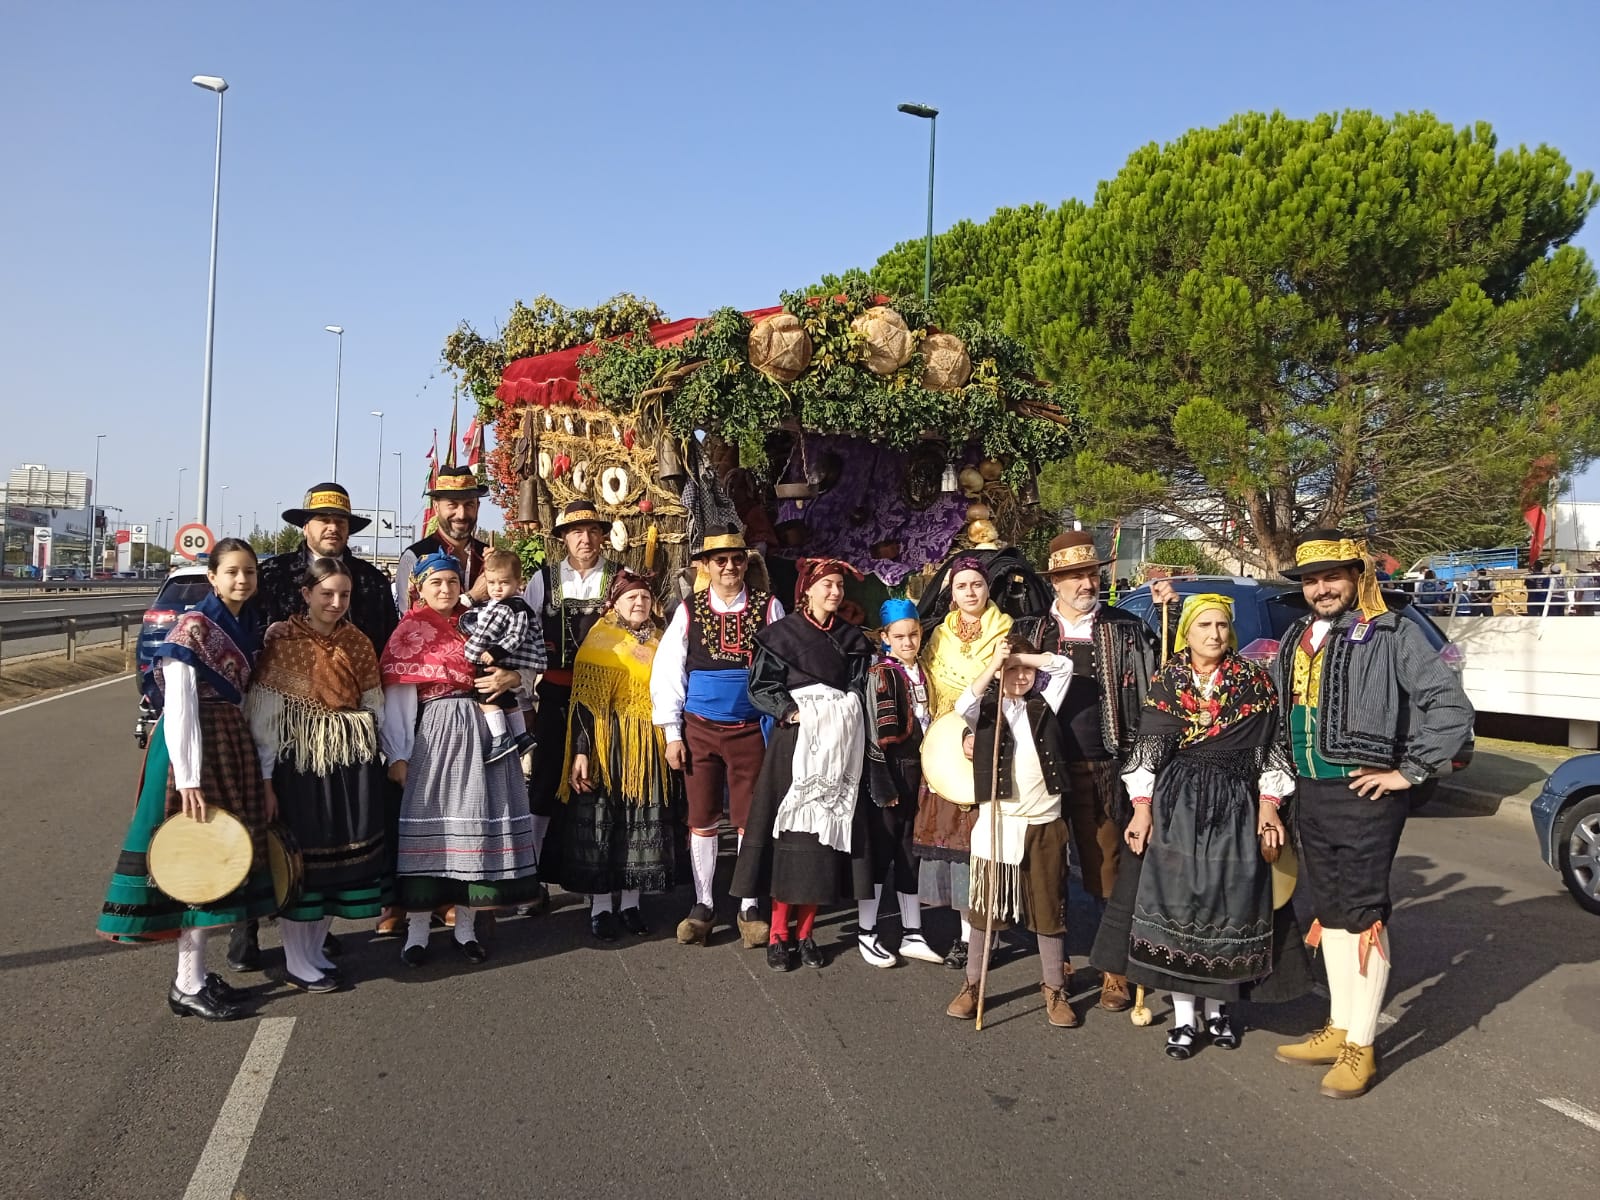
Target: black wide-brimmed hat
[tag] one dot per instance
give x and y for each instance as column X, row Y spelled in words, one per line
column 1324, row 550
column 456, row 483
column 326, row 500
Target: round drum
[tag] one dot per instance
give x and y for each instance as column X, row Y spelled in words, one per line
column 288, row 867
column 1285, row 873
column 945, row 769
column 200, row 861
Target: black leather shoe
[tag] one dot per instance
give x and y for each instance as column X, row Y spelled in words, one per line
column 810, row 954
column 202, row 1004
column 223, row 992
column 604, row 926
column 1221, row 1031
column 956, row 958
column 317, row 987
column 778, row 957
column 244, row 951
column 473, row 951
column 633, row 922
column 332, row 946
column 414, row 956
column 1180, row 1042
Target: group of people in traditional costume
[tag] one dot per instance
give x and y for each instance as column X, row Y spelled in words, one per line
column 382, row 739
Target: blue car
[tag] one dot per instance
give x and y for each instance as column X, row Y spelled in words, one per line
column 1566, row 820
column 180, row 592
column 1262, row 613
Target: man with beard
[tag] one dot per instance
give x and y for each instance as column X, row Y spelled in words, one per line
column 455, row 494
column 569, row 598
column 1369, row 711
column 1113, row 655
column 327, row 524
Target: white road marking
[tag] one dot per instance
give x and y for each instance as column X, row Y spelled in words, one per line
column 1577, row 1112
column 88, row 687
column 220, row 1162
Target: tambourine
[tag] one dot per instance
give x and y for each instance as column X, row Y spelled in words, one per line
column 945, row 768
column 287, row 864
column 200, row 861
column 1285, row 871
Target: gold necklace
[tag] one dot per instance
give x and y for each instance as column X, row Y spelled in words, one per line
column 966, row 633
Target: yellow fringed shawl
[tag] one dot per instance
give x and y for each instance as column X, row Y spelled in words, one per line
column 952, row 664
column 611, row 678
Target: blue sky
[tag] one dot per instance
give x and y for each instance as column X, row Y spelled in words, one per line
column 394, row 168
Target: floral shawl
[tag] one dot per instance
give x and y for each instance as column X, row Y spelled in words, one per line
column 1244, row 691
column 313, row 686
column 611, row 679
column 426, row 649
column 952, row 664
column 219, row 646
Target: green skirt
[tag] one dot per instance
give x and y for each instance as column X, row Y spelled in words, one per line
column 135, row 910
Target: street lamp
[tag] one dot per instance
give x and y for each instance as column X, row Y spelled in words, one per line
column 931, row 115
column 210, row 83
column 400, row 497
column 377, row 492
column 94, row 526
column 338, row 372
column 222, row 515
column 178, row 520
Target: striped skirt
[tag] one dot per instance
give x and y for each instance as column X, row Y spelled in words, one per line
column 135, row 910
column 466, row 836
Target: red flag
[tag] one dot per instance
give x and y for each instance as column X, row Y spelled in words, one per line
column 1538, row 527
column 472, row 443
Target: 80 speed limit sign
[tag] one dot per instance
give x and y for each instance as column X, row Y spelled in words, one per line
column 193, row 541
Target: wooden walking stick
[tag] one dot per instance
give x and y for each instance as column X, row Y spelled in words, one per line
column 1140, row 1014
column 994, row 843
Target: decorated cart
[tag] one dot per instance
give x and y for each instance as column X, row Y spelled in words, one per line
column 846, row 426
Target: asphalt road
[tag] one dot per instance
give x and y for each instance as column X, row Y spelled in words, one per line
column 65, row 605
column 564, row 1068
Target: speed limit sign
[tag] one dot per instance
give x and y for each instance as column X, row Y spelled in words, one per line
column 193, row 541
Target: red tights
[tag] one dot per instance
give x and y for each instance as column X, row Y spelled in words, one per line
column 805, row 916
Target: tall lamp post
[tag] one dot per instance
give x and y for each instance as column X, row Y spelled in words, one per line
column 931, row 115
column 94, row 526
column 222, row 514
column 177, row 521
column 399, row 497
column 211, row 83
column 377, row 491
column 338, row 375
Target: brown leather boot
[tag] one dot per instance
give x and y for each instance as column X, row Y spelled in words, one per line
column 1057, row 1009
column 965, row 1006
column 1114, row 995
column 1320, row 1049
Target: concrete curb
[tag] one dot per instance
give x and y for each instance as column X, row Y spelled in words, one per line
column 1455, row 795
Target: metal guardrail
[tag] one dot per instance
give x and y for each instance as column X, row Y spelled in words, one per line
column 34, row 627
column 22, row 588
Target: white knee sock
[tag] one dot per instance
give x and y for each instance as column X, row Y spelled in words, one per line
column 630, row 898
column 703, row 862
column 516, row 723
column 417, row 926
column 496, row 719
column 318, row 954
column 600, row 903
column 191, row 961
column 867, row 910
column 966, row 929
column 910, row 911
column 1339, row 958
column 297, row 936
column 1366, row 991
column 466, row 919
column 541, row 826
column 1213, row 1009
column 1183, row 1010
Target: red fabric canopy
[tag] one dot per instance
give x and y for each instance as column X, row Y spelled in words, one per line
column 547, row 379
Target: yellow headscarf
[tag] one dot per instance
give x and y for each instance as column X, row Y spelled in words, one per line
column 1198, row 603
column 1369, row 599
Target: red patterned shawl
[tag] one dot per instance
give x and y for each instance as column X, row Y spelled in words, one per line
column 426, row 649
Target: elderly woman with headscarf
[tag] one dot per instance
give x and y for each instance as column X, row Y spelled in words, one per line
column 806, row 843
column 957, row 652
column 466, row 838
column 619, row 792
column 1206, row 777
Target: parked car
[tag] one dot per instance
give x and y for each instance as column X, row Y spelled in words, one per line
column 1264, row 610
column 1566, row 820
column 181, row 591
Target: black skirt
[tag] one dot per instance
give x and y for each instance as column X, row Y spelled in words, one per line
column 339, row 821
column 615, row 843
column 797, row 868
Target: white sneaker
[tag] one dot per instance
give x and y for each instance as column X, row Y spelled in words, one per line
column 872, row 950
column 914, row 945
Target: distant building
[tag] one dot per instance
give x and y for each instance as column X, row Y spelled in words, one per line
column 36, row 497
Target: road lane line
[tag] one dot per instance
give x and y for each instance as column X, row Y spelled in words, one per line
column 220, row 1162
column 1577, row 1112
column 63, row 695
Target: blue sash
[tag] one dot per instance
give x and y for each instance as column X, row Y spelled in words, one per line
column 721, row 696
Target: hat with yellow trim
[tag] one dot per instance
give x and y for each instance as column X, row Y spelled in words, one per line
column 720, row 541
column 1330, row 550
column 326, row 500
column 579, row 512
column 1072, row 551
